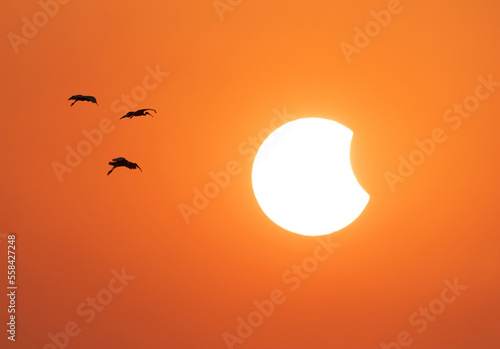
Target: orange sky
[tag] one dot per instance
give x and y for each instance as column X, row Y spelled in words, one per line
column 194, row 283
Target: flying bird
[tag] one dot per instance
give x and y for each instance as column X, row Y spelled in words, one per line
column 119, row 162
column 82, row 98
column 139, row 112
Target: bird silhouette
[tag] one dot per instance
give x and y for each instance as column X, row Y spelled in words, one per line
column 139, row 112
column 82, row 98
column 119, row 162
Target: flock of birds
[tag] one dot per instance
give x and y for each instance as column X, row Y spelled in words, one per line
column 121, row 161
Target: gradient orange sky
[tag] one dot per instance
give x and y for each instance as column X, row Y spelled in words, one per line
column 229, row 74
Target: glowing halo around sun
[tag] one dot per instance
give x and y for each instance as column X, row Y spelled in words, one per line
column 303, row 180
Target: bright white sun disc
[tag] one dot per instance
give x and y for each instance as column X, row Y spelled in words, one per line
column 303, row 180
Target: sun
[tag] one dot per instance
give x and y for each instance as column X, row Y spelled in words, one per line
column 303, row 180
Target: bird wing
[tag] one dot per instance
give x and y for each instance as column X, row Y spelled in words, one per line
column 132, row 165
column 119, row 159
column 92, row 99
column 143, row 110
column 128, row 115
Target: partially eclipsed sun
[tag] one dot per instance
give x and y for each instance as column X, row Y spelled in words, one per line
column 303, row 180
